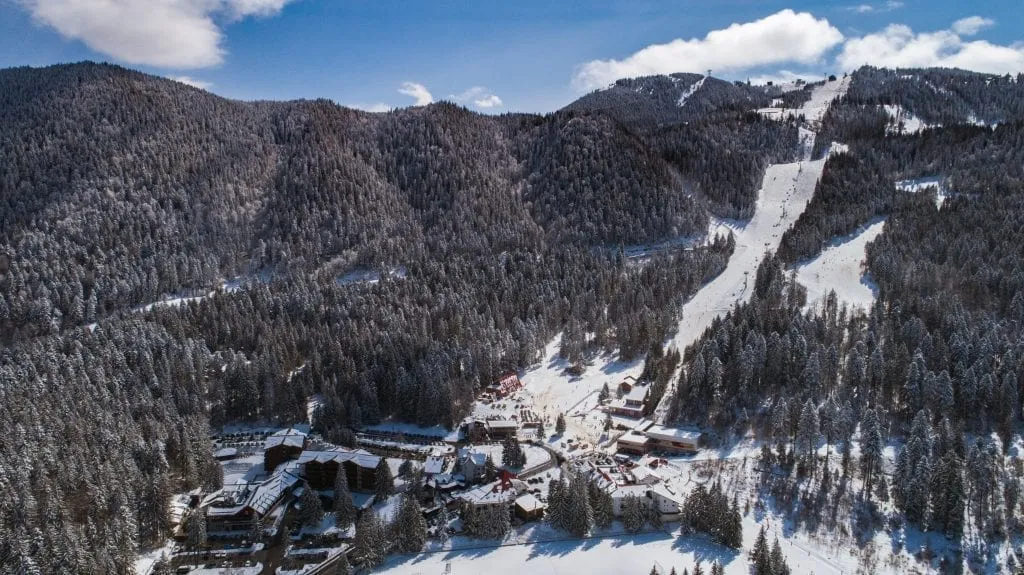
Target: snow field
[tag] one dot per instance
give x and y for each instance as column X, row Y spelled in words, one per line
column 839, row 268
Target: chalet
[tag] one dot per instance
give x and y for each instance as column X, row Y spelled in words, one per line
column 632, row 403
column 493, row 429
column 471, row 463
column 437, row 464
column 672, row 439
column 498, row 429
column 507, row 384
column 282, row 446
column 504, row 491
column 660, row 497
column 232, row 510
column 529, row 508
column 321, row 468
column 626, row 385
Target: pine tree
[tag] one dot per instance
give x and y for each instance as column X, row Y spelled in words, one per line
column 778, row 560
column 870, row 448
column 490, row 470
column 311, row 511
column 344, row 508
column 604, row 394
column 808, row 432
column 760, row 555
column 384, row 482
column 443, row 521
column 632, row 513
column 410, row 528
column 196, row 528
column 370, row 542
column 697, row 569
column 560, row 424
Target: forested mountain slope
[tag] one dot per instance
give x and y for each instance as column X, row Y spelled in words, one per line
column 935, row 367
column 117, row 188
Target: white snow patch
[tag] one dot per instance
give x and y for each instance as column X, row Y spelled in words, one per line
column 690, row 91
column 903, row 121
column 839, row 268
column 917, row 185
column 822, row 97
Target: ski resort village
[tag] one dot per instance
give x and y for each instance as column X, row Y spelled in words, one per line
column 579, row 465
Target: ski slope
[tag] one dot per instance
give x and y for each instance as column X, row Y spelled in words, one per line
column 784, row 194
column 838, row 268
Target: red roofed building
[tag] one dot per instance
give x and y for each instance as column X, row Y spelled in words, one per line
column 507, row 384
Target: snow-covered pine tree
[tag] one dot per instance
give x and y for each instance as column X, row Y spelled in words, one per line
column 632, row 513
column 384, row 481
column 370, row 542
column 311, row 511
column 560, row 424
column 808, row 431
column 195, row 525
column 410, row 528
column 760, row 555
column 870, row 448
column 344, row 509
column 778, row 560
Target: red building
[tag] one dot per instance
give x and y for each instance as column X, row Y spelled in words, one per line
column 507, row 384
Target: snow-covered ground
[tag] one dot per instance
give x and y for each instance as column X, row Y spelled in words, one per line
column 821, row 98
column 690, row 91
column 554, row 391
column 535, row 456
column 903, row 121
column 814, row 109
column 917, row 185
column 839, row 268
column 784, row 194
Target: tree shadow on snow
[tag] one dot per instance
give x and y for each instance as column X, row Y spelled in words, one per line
column 705, row 550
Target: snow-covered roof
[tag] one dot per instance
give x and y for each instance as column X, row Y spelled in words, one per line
column 225, row 453
column 268, row 493
column 360, row 457
column 260, row 497
column 636, row 393
column 291, row 437
column 644, row 474
column 672, row 434
column 527, row 502
column 634, row 438
column 435, row 464
column 502, row 424
column 474, row 455
column 489, row 494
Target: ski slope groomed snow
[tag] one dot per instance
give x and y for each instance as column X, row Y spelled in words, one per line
column 784, row 194
column 839, row 268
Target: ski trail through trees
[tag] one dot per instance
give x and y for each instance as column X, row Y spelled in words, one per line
column 784, row 194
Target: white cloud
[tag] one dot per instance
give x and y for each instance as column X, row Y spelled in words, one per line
column 194, row 82
column 162, row 33
column 785, row 36
column 971, row 25
column 418, row 92
column 897, row 46
column 478, row 96
column 868, row 8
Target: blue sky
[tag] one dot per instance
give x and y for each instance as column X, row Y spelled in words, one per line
column 532, row 56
